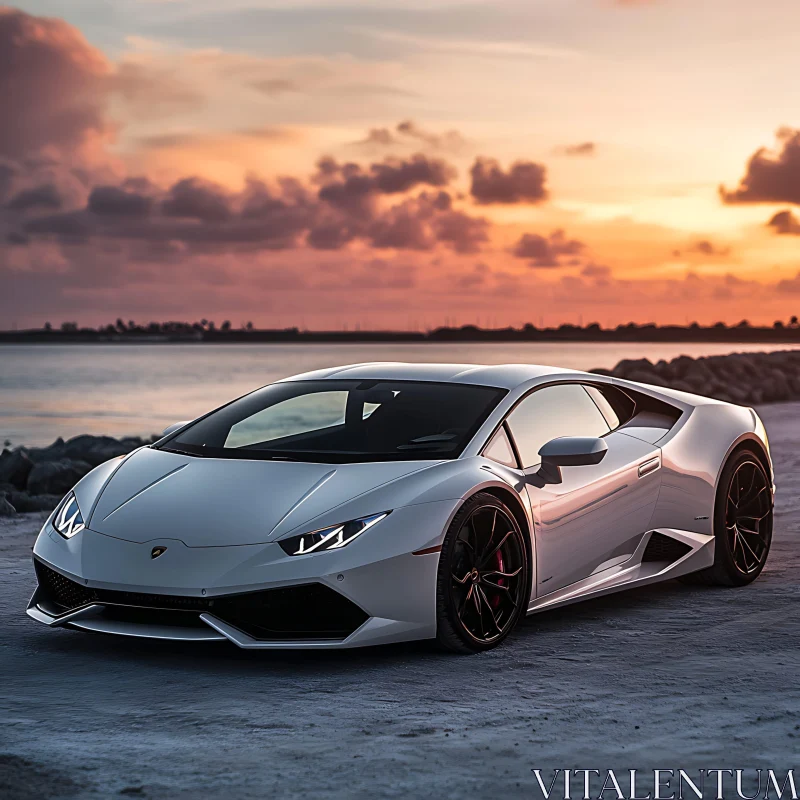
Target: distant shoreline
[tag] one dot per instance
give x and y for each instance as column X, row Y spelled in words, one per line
column 195, row 334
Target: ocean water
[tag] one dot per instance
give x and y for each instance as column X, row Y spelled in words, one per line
column 47, row 391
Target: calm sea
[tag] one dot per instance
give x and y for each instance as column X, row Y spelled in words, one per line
column 65, row 390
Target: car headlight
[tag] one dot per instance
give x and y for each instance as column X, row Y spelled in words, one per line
column 331, row 538
column 68, row 519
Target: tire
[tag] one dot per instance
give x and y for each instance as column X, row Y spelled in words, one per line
column 483, row 581
column 742, row 524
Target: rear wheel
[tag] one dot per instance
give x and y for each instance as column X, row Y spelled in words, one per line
column 742, row 524
column 483, row 581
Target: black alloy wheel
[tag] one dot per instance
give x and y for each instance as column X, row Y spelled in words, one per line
column 748, row 517
column 742, row 524
column 484, row 581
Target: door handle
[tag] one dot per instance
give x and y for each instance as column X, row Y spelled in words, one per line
column 651, row 465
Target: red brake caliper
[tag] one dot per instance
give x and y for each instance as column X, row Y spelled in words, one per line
column 498, row 558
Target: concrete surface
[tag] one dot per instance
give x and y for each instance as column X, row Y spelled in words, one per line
column 667, row 677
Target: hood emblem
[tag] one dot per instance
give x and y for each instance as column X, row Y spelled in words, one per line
column 157, row 551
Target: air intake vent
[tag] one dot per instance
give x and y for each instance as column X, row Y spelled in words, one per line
column 62, row 591
column 664, row 548
column 310, row 611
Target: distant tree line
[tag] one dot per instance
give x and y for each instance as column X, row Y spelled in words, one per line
column 120, row 327
column 206, row 330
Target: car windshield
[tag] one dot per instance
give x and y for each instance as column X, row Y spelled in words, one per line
column 342, row 421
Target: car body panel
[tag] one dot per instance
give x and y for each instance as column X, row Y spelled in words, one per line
column 692, row 462
column 596, row 515
column 220, row 521
column 205, row 502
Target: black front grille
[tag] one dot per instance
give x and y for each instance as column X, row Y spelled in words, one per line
column 309, row 611
column 62, row 591
column 664, row 548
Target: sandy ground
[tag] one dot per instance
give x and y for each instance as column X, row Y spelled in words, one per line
column 668, row 677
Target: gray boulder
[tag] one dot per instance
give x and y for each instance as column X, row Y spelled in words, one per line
column 737, row 394
column 56, row 477
column 6, row 509
column 25, row 502
column 15, row 465
column 651, row 378
column 94, row 450
column 743, row 378
column 51, row 453
column 678, row 366
column 628, row 366
column 663, row 369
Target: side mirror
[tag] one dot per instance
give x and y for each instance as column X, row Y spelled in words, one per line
column 174, row 427
column 570, row 451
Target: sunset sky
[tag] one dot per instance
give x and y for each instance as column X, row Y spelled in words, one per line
column 323, row 164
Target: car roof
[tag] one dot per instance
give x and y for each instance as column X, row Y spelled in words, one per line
column 503, row 376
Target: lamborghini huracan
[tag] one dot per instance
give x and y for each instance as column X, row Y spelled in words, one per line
column 388, row 502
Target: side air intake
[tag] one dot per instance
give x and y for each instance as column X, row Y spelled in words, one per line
column 664, row 548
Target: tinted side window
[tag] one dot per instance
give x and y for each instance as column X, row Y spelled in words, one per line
column 499, row 449
column 606, row 409
column 564, row 410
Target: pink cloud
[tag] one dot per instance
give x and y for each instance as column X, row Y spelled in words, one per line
column 51, row 87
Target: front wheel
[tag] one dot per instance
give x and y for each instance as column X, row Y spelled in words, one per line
column 742, row 524
column 483, row 582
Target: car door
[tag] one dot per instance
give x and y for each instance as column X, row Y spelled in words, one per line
column 594, row 518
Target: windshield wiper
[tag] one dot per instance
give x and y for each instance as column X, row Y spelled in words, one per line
column 430, row 443
column 424, row 447
column 433, row 438
column 267, row 456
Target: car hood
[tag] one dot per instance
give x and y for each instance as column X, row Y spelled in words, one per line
column 207, row 502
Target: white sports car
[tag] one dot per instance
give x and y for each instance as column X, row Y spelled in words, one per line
column 380, row 503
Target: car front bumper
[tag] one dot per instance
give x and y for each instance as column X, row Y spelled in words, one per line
column 378, row 589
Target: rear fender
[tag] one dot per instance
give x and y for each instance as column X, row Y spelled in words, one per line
column 692, row 461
